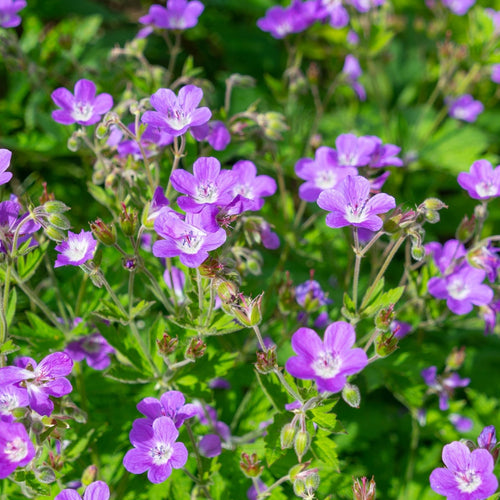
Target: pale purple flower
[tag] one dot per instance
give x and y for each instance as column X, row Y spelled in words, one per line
column 443, row 385
column 76, row 250
column 158, row 203
column 334, row 12
column 151, row 139
column 350, row 204
column 321, row 173
column 465, row 108
column 377, row 183
column 175, row 281
column 5, row 156
column 42, row 380
column 250, row 187
column 468, row 474
column 155, row 449
column 321, row 320
column 459, row 7
column 84, row 107
column 489, row 313
column 352, row 71
column 495, row 73
column 482, row 182
column 327, row 361
column 98, row 490
column 10, row 222
column 207, row 185
column 495, row 17
column 461, row 423
column 384, row 155
column 8, row 12
column 447, row 256
column 487, row 439
column 354, row 151
column 11, row 397
column 171, row 404
column 210, row 445
column 462, row 289
column 269, row 238
column 94, row 348
column 486, row 258
column 214, row 132
column 282, row 21
column 176, row 114
column 310, row 295
column 190, row 239
column 352, row 37
column 16, row 448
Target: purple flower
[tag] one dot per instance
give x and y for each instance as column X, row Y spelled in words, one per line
column 250, row 187
column 447, row 256
column 462, row 289
column 400, row 329
column 42, row 380
column 176, row 280
column 366, row 5
column 354, row 151
column 215, row 132
column 282, row 21
column 495, row 17
column 482, row 182
column 210, row 445
column 98, row 490
column 310, row 295
column 158, row 203
column 171, row 404
column 76, row 250
column 177, row 114
column 495, row 73
column 486, row 258
column 8, row 12
column 350, row 204
column 5, row 156
column 94, row 348
column 443, row 385
column 334, row 12
column 256, row 489
column 465, row 108
column 321, row 173
column 461, row 423
column 155, row 449
column 352, row 71
column 10, row 222
column 151, row 139
column 328, row 362
column 11, row 397
column 84, row 108
column 191, row 239
column 269, row 239
column 487, row 439
column 384, row 155
column 16, row 449
column 489, row 314
column 459, row 7
column 468, row 476
column 207, row 185
column 219, row 383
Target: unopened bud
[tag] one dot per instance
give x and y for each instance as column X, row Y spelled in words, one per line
column 250, row 465
column 351, row 395
column 466, row 229
column 101, row 131
column 167, row 344
column 59, row 221
column 54, row 206
column 433, row 204
column 385, row 344
column 384, row 318
column 89, row 475
column 301, row 443
column 128, row 221
column 432, row 216
column 363, row 490
column 248, row 311
column 299, row 487
column 129, row 263
column 54, row 234
column 266, row 361
column 287, row 435
column 196, row 348
column 227, row 291
column 73, row 143
column 105, row 233
column 237, row 80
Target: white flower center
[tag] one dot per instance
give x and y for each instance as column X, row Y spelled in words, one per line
column 461, row 113
column 457, row 289
column 486, row 188
column 245, row 191
column 206, row 193
column 16, row 450
column 284, row 28
column 8, row 402
column 356, row 213
column 161, row 453
column 326, row 179
column 82, row 112
column 331, row 4
column 468, row 481
column 177, row 118
column 76, row 249
column 327, row 365
column 191, row 242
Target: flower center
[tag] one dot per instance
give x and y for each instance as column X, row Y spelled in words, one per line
column 327, row 365
column 82, row 111
column 486, row 188
column 326, row 179
column 206, row 193
column 245, row 191
column 177, row 118
column 8, row 402
column 191, row 242
column 468, row 481
column 76, row 249
column 16, row 450
column 356, row 213
column 161, row 453
column 457, row 289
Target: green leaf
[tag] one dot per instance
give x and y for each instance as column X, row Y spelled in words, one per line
column 8, row 348
column 142, row 307
column 325, row 449
column 273, row 390
column 223, row 324
column 28, row 264
column 273, row 438
column 11, row 309
column 383, row 300
column 128, row 374
column 110, row 311
column 324, row 419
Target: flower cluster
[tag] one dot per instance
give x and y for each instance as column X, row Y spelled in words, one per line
column 154, row 437
column 443, row 385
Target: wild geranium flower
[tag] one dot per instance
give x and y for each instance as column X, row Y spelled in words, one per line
column 459, row 7
column 210, row 445
column 443, row 385
column 176, row 114
column 94, row 348
column 250, row 187
column 8, row 12
column 310, row 295
column 5, row 156
column 447, row 256
column 487, row 439
column 98, row 490
column 171, row 404
column 84, row 107
column 461, row 423
column 76, row 250
column 214, row 132
column 462, row 289
column 465, row 108
column 352, row 71
column 16, row 448
column 384, row 155
column 40, row 380
column 468, row 474
column 190, row 239
column 321, row 173
column 495, row 73
column 10, row 222
column 354, row 151
column 11, row 397
column 350, row 204
column 207, row 185
column 489, row 314
column 334, row 12
column 327, row 361
column 155, row 449
column 482, row 182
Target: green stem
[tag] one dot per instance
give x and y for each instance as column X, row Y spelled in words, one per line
column 198, row 460
column 178, row 154
column 286, row 385
column 357, row 266
column 259, row 338
column 415, row 431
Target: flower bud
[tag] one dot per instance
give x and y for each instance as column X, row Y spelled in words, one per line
column 384, row 318
column 73, row 143
column 299, row 487
column 101, row 131
column 433, row 204
column 129, row 263
column 105, row 233
column 196, row 348
column 59, row 221
column 363, row 491
column 481, row 212
column 351, row 395
column 128, row 221
column 287, row 435
column 237, row 80
column 455, row 359
column 466, row 229
column 54, row 234
column 385, row 344
column 227, row 291
column 167, row 344
column 53, row 206
column 250, row 465
column 248, row 311
column 301, row 443
column 266, row 361
column 89, row 475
